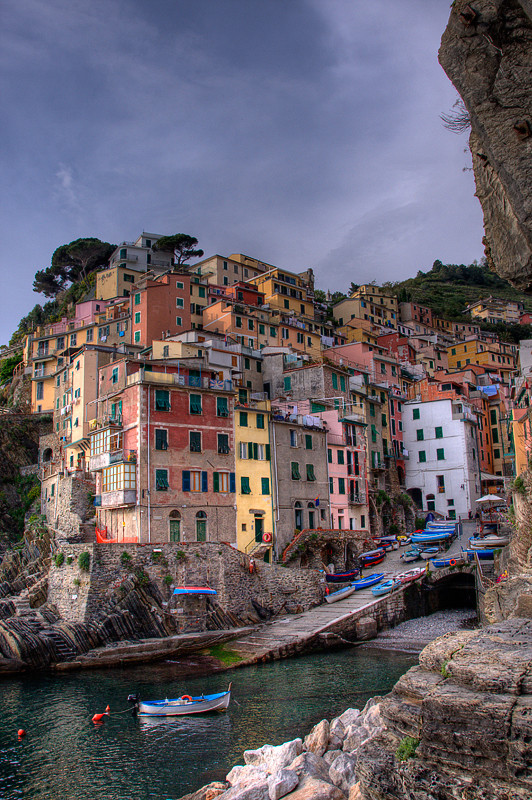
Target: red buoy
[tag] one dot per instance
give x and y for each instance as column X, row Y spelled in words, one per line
column 98, row 717
column 107, row 710
column 21, row 733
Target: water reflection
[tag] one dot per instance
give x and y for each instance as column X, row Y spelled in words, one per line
column 65, row 756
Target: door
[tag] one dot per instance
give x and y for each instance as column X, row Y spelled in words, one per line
column 175, row 530
column 311, row 519
column 259, row 528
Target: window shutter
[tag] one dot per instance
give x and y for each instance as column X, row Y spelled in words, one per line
column 204, row 482
column 267, row 452
column 232, row 482
column 250, row 449
column 255, row 451
column 186, row 480
column 215, row 482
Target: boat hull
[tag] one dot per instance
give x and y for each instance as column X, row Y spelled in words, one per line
column 180, row 707
column 341, row 594
column 342, row 577
column 484, row 543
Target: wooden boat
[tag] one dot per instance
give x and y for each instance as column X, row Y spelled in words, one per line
column 194, row 590
column 451, row 561
column 386, row 587
column 411, row 575
column 490, row 540
column 484, row 555
column 342, row 577
column 372, row 557
column 404, row 540
column 340, row 594
column 370, row 580
column 182, row 705
column 411, row 555
column 430, row 538
column 429, row 552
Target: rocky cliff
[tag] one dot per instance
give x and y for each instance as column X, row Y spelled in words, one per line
column 486, row 51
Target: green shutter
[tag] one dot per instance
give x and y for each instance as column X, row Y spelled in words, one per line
column 265, row 485
column 215, row 482
column 244, row 485
column 267, row 452
column 295, row 471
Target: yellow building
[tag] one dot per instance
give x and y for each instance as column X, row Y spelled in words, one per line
column 255, row 523
column 116, row 281
column 371, row 304
column 491, row 354
column 522, row 434
column 494, row 310
column 286, row 291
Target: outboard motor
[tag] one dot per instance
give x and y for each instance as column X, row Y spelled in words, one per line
column 134, row 700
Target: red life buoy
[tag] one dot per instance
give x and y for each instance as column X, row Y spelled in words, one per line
column 186, row 697
column 452, row 563
column 266, row 537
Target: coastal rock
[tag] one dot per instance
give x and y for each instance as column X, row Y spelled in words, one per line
column 349, row 717
column 318, row 739
column 208, row 792
column 245, row 775
column 251, row 791
column 272, row 758
column 314, row 789
column 342, row 772
column 337, row 728
column 330, row 756
column 335, row 742
column 310, row 765
column 282, row 783
column 355, row 736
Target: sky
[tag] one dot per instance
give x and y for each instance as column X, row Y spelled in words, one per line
column 305, row 133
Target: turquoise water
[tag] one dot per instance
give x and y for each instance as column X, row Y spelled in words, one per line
column 64, row 756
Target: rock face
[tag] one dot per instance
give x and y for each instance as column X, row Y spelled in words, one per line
column 469, row 707
column 486, row 51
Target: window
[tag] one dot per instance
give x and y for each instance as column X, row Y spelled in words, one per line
column 245, row 488
column 293, row 438
column 419, row 434
column 114, row 375
column 415, row 413
column 137, row 337
column 394, row 370
column 260, row 421
column 179, row 285
column 287, row 382
column 341, row 485
column 90, row 335
column 201, row 526
column 251, row 324
column 195, row 404
column 273, row 332
column 161, row 439
column 238, row 322
column 73, row 339
column 493, row 416
column 161, row 480
column 334, row 380
column 308, row 441
column 265, row 485
column 195, row 481
column 295, row 471
column 179, row 302
column 440, row 454
column 222, row 407
column 137, row 318
column 496, row 453
column 371, row 410
column 223, row 481
column 201, row 291
column 195, row 441
column 243, row 419
column 422, row 456
column 495, row 435
column 162, row 400
column 342, row 383
column 440, row 480
column 329, row 455
column 223, row 443
column 439, row 433
column 242, row 396
column 340, row 456
column 179, row 321
column 262, row 330
column 310, row 472
column 373, row 434
column 137, row 299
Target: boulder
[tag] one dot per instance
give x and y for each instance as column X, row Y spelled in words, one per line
column 348, row 717
column 244, row 776
column 314, row 789
column 254, row 791
column 282, row 783
column 355, row 736
column 342, row 772
column 309, row 764
column 208, row 792
column 330, row 755
column 272, row 758
column 337, row 728
column 335, row 742
column 318, row 739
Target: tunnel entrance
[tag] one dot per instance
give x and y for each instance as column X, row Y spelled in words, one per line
column 455, row 590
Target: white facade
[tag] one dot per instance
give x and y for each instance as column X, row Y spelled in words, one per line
column 443, row 465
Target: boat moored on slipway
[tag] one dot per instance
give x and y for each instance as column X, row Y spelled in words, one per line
column 362, row 583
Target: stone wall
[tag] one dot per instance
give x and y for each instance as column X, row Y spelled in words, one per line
column 70, row 504
column 269, row 590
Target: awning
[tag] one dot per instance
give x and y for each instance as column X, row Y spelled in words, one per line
column 487, row 476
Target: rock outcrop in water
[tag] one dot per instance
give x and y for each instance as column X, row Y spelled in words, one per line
column 457, row 727
column 486, row 51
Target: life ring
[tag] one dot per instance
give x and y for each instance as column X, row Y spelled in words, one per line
column 186, row 697
column 452, row 562
column 266, row 537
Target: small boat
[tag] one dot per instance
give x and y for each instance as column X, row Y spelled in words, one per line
column 386, row 587
column 429, row 552
column 340, row 594
column 425, row 538
column 372, row 557
column 182, row 705
column 342, row 577
column 451, row 561
column 411, row 575
column 404, row 540
column 490, row 540
column 370, row 580
column 484, row 555
column 411, row 555
column 194, row 590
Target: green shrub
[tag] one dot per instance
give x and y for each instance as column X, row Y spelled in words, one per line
column 142, row 578
column 156, row 556
column 519, row 485
column 443, row 671
column 125, row 559
column 70, row 559
column 180, row 555
column 76, row 581
column 84, row 561
column 59, row 559
column 168, row 580
column 407, row 748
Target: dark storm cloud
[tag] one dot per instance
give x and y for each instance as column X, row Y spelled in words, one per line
column 305, row 132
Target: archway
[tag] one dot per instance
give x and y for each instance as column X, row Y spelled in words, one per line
column 47, row 454
column 201, row 526
column 417, row 496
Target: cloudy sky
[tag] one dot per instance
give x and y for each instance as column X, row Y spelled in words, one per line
column 303, row 132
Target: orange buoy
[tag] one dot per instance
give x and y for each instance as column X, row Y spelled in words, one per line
column 21, row 733
column 107, row 710
column 98, row 717
column 186, row 697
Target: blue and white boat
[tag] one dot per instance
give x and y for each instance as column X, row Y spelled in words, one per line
column 411, row 555
column 429, row 538
column 429, row 552
column 386, row 587
column 194, row 590
column 484, row 555
column 370, row 580
column 182, row 706
column 451, row 561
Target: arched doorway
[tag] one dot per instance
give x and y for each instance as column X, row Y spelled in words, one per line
column 298, row 515
column 47, row 454
column 417, row 496
column 311, row 515
column 174, row 523
column 431, row 502
column 201, row 526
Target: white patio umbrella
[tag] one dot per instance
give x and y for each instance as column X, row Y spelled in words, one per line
column 490, row 498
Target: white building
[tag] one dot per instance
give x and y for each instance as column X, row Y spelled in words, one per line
column 442, row 471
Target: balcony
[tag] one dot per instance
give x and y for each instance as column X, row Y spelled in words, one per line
column 172, row 379
column 118, row 498
column 356, row 500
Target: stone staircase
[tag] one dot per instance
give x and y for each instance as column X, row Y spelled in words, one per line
column 64, row 650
